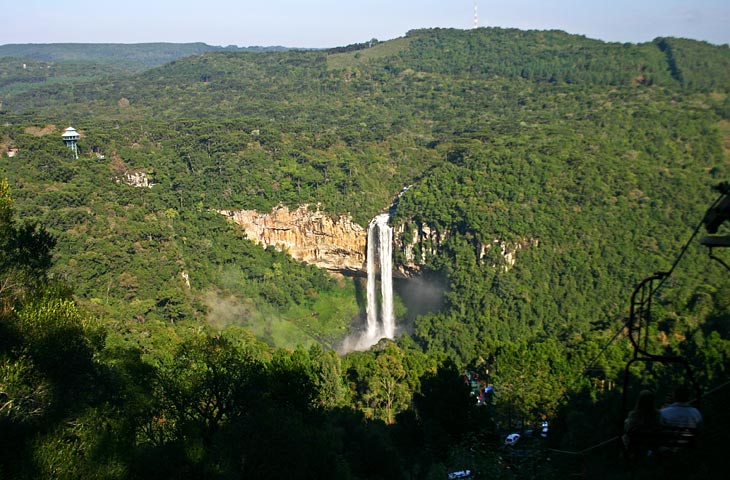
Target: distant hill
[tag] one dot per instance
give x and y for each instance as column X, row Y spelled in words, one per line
column 27, row 67
column 221, row 81
column 551, row 55
column 132, row 54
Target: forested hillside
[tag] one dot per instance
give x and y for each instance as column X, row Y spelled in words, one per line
column 25, row 67
column 591, row 161
column 134, row 55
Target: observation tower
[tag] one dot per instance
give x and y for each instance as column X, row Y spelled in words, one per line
column 70, row 137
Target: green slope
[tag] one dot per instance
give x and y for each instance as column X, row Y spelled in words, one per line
column 507, row 135
column 131, row 54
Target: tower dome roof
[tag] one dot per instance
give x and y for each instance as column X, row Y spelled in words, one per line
column 70, row 132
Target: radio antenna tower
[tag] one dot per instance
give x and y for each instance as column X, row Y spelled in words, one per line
column 476, row 15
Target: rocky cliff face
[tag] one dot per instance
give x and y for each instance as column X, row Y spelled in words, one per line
column 308, row 235
column 419, row 243
column 339, row 245
column 136, row 179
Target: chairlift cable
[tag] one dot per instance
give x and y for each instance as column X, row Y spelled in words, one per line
column 585, row 450
column 665, row 276
column 686, row 245
column 592, row 362
column 605, row 442
column 719, row 387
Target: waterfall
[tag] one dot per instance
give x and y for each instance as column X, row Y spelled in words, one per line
column 372, row 305
column 385, row 246
column 380, row 240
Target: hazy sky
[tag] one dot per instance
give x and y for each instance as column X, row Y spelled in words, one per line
column 329, row 23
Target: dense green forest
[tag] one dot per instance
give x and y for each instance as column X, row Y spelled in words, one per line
column 144, row 336
column 134, row 55
column 25, row 67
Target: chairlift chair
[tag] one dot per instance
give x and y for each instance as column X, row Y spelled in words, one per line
column 640, row 319
column 718, row 213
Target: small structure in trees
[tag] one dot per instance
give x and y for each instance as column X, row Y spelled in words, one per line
column 70, row 137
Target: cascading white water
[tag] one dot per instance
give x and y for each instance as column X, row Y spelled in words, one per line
column 385, row 247
column 383, row 244
column 372, row 305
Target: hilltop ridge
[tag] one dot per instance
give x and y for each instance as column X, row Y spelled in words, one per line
column 134, row 54
column 219, row 81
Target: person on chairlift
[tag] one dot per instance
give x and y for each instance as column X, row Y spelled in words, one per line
column 681, row 414
column 644, row 418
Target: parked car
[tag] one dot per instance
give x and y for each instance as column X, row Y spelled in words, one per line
column 512, row 439
column 460, row 474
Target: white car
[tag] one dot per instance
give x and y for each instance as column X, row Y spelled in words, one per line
column 512, row 439
column 460, row 474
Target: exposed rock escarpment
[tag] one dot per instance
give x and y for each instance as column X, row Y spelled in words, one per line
column 310, row 236
column 418, row 244
column 339, row 245
column 136, row 179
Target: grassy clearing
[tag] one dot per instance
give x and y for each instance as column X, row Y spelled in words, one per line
column 329, row 318
column 382, row 50
column 326, row 321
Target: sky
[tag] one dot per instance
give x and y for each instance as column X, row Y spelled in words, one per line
column 331, row 23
